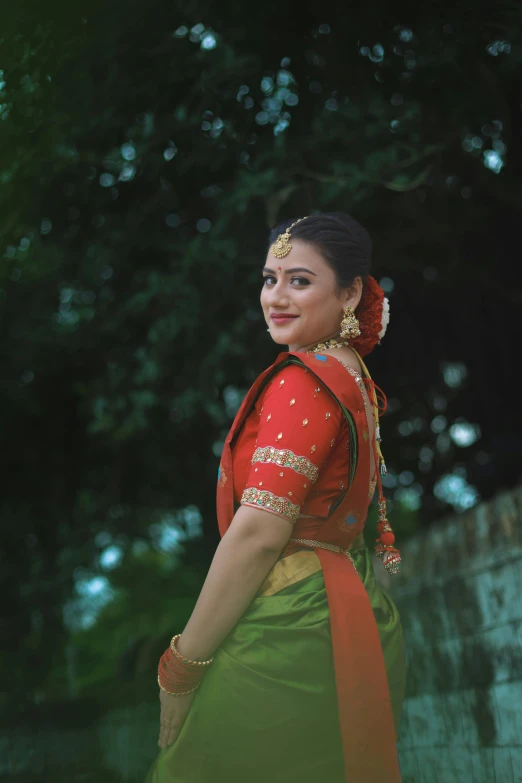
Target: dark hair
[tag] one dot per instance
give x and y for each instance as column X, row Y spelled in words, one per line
column 344, row 244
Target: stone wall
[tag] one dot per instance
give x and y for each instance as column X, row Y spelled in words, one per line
column 459, row 596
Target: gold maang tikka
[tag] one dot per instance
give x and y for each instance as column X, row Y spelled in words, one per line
column 282, row 246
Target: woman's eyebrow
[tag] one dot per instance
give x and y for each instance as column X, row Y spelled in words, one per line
column 291, row 271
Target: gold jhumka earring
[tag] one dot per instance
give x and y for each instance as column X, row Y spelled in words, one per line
column 282, row 246
column 350, row 324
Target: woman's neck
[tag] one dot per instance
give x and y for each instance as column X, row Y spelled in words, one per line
column 298, row 348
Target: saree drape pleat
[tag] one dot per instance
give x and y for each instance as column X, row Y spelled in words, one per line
column 246, row 722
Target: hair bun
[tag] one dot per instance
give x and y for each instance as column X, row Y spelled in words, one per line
column 373, row 316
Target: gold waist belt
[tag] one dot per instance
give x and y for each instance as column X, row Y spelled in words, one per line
column 323, row 545
column 299, row 565
column 303, row 563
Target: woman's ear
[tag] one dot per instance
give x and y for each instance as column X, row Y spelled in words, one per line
column 352, row 294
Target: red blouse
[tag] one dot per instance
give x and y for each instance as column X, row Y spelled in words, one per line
column 295, row 431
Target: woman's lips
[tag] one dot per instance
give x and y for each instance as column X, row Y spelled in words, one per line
column 283, row 319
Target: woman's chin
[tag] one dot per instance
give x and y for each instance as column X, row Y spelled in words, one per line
column 284, row 336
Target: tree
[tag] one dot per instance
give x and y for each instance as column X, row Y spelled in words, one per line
column 145, row 151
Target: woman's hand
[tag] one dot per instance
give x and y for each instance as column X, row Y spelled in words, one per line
column 174, row 710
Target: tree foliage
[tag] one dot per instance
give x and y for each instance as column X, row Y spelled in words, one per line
column 145, row 150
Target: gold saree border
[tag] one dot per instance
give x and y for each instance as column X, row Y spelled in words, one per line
column 294, row 567
column 289, row 570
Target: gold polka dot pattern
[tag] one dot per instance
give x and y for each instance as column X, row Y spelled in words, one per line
column 292, row 437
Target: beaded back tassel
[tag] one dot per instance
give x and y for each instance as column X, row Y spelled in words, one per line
column 384, row 548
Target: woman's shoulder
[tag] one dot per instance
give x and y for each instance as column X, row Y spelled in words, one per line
column 345, row 357
column 333, row 365
column 336, row 365
column 295, row 399
column 296, row 384
column 292, row 376
column 338, row 370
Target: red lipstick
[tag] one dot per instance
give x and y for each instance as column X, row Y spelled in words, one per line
column 282, row 318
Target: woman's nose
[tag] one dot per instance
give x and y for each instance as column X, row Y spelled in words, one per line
column 277, row 296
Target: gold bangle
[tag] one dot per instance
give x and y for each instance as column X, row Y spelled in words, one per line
column 186, row 660
column 181, row 693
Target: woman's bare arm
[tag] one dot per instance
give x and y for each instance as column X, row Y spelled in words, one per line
column 244, row 556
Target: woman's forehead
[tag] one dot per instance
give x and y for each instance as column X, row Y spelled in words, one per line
column 301, row 254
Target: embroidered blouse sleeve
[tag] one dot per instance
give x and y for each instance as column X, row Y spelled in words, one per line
column 299, row 424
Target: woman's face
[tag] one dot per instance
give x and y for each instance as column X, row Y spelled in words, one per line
column 303, row 285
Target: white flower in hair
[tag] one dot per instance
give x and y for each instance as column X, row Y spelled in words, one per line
column 385, row 318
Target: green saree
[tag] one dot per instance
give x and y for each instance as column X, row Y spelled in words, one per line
column 246, row 722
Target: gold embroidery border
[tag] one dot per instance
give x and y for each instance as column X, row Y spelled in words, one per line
column 263, row 498
column 285, row 458
column 360, row 383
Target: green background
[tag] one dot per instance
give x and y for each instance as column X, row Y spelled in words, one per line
column 145, row 150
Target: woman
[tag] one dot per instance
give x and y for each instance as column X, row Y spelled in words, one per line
column 307, row 672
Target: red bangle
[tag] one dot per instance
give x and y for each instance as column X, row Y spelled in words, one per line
column 175, row 677
column 173, row 647
column 174, row 693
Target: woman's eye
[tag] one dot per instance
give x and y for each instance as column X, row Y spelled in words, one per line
column 300, row 280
